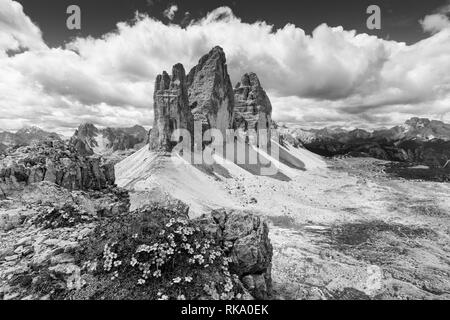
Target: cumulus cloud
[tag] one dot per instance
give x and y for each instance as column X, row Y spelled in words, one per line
column 170, row 12
column 17, row 31
column 438, row 21
column 330, row 76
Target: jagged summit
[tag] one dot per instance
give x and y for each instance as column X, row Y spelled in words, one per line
column 206, row 95
column 88, row 139
column 171, row 108
column 210, row 91
column 87, row 129
column 253, row 109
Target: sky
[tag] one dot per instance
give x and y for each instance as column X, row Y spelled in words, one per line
column 317, row 60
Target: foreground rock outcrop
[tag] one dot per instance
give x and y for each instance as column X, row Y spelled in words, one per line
column 56, row 162
column 211, row 95
column 253, row 110
column 42, row 232
column 171, row 109
column 246, row 239
column 87, row 245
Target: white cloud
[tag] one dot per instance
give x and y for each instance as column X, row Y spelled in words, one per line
column 16, row 29
column 438, row 21
column 330, row 76
column 435, row 22
column 170, row 12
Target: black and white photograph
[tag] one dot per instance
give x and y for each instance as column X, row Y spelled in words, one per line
column 224, row 154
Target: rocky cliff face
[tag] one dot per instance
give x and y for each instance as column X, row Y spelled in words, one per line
column 88, row 139
column 210, row 91
column 210, row 100
column 253, row 110
column 53, row 161
column 171, row 109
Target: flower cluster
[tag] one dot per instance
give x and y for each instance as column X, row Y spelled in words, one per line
column 67, row 215
column 171, row 257
column 110, row 257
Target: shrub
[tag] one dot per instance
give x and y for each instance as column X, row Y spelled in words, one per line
column 159, row 253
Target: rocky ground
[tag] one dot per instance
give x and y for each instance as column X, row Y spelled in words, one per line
column 61, row 244
column 348, row 229
column 353, row 231
column 67, row 232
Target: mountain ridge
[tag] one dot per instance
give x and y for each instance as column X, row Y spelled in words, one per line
column 418, row 140
column 88, row 139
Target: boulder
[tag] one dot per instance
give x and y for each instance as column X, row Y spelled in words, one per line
column 246, row 238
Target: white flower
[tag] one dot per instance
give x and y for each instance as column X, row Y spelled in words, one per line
column 176, row 280
column 157, row 273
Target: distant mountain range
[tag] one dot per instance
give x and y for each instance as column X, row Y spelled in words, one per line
column 418, row 140
column 89, row 139
column 24, row 137
column 414, row 128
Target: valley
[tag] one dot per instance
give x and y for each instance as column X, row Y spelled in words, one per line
column 343, row 230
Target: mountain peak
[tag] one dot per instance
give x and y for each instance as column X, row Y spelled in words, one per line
column 29, row 130
column 210, row 92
